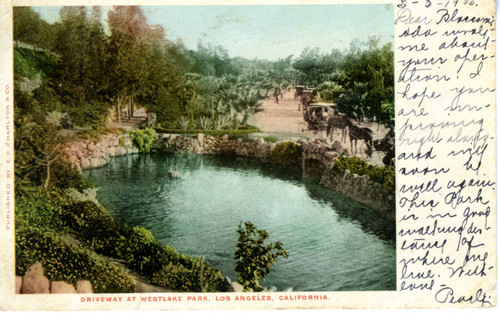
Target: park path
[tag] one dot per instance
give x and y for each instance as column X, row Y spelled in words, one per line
column 282, row 120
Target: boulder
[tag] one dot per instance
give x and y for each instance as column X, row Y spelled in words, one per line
column 85, row 163
column 235, row 287
column 19, row 284
column 97, row 162
column 173, row 174
column 120, row 150
column 61, row 287
column 83, row 286
column 111, row 151
column 34, row 281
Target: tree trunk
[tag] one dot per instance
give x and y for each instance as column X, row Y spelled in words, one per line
column 130, row 108
column 132, row 105
column 118, row 111
column 47, row 180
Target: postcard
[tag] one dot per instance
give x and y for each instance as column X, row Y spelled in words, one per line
column 217, row 155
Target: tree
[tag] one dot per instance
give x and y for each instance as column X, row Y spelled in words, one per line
column 255, row 259
column 80, row 72
column 130, row 40
column 353, row 101
column 30, row 28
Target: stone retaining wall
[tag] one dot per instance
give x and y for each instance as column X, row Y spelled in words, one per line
column 361, row 189
column 86, row 154
column 256, row 148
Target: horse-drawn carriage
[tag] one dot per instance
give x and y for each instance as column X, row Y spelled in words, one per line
column 323, row 117
column 316, row 115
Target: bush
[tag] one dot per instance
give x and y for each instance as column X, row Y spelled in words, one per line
column 175, row 277
column 63, row 175
column 385, row 175
column 255, row 259
column 96, row 228
column 186, row 276
column 67, row 261
column 270, row 139
column 286, row 154
column 34, row 209
column 145, row 254
column 30, row 63
column 47, row 98
column 89, row 114
column 143, row 139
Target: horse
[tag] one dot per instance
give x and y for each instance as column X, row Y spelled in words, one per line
column 334, row 122
column 362, row 133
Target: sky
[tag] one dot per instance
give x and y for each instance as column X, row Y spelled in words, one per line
column 266, row 31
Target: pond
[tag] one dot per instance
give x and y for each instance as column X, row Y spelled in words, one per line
column 334, row 243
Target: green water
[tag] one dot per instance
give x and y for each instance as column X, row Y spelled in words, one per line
column 334, row 242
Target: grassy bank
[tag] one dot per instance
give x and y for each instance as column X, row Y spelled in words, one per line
column 75, row 238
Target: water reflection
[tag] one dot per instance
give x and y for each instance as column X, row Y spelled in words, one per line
column 334, row 243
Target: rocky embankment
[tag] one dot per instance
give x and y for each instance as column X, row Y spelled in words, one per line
column 317, row 161
column 85, row 154
column 361, row 189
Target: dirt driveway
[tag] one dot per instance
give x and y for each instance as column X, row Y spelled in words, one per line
column 284, row 121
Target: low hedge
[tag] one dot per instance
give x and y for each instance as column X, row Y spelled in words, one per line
column 385, row 175
column 242, row 130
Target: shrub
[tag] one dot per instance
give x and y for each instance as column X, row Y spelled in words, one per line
column 254, row 259
column 205, row 123
column 385, row 175
column 30, row 63
column 67, row 261
column 63, row 175
column 174, row 277
column 145, row 254
column 96, row 228
column 47, row 98
column 89, row 114
column 286, row 154
column 183, row 122
column 143, row 139
column 34, row 209
column 270, row 139
column 186, row 275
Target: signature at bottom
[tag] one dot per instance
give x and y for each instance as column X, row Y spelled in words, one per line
column 447, row 295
